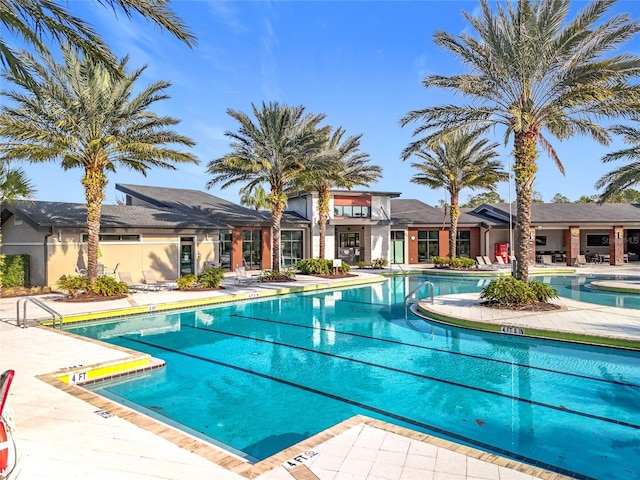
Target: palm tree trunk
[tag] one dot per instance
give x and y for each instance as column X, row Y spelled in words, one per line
column 323, row 217
column 454, row 213
column 94, row 182
column 277, row 209
column 525, row 174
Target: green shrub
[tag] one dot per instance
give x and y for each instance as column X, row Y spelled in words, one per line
column 454, row 262
column 380, row 263
column 511, row 292
column 73, row 284
column 211, row 277
column 440, row 261
column 361, row 264
column 314, row 266
column 15, row 271
column 109, row 287
column 186, row 281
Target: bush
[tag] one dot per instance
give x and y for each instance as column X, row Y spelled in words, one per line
column 380, row 263
column 211, row 277
column 15, row 271
column 186, row 281
column 274, row 275
column 454, row 262
column 511, row 292
column 361, row 264
column 73, row 284
column 318, row 266
column 314, row 266
column 109, row 287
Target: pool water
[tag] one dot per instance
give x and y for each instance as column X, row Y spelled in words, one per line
column 259, row 376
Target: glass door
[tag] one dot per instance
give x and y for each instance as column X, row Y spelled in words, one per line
column 186, row 256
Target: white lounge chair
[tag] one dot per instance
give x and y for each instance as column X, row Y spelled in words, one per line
column 581, row 261
column 243, row 278
column 547, row 260
column 133, row 287
column 151, row 282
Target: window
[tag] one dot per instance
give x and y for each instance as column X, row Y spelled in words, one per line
column 113, row 238
column 428, row 245
column 224, row 250
column 600, row 240
column 463, row 244
column 290, row 247
column 252, row 248
column 352, row 211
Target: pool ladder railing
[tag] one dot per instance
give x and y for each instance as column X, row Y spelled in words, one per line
column 410, row 295
column 25, row 300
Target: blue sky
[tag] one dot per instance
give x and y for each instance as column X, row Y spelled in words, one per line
column 361, row 63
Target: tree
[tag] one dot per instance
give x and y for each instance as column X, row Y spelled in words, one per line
column 620, row 179
column 533, row 71
column 559, row 198
column 77, row 113
column 273, row 151
column 32, row 20
column 461, row 160
column 484, row 197
column 536, row 197
column 257, row 199
column 587, row 199
column 339, row 164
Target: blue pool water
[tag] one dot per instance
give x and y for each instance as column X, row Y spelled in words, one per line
column 260, row 376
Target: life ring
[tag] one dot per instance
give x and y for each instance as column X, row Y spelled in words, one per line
column 4, row 449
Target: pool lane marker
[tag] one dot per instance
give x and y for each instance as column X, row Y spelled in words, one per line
column 364, row 406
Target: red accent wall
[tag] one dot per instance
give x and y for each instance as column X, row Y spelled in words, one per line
column 345, row 200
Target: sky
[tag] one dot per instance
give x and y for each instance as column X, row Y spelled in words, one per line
column 361, row 63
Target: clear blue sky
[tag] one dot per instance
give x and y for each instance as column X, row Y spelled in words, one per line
column 361, row 63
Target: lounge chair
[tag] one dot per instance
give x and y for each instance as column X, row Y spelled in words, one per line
column 547, row 260
column 243, row 278
column 501, row 262
column 489, row 263
column 133, row 287
column 151, row 282
column 581, row 261
column 480, row 263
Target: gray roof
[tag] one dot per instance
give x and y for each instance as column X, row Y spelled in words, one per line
column 204, row 206
column 415, row 212
column 568, row 213
column 73, row 215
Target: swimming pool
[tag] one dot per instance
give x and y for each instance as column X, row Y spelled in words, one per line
column 260, row 376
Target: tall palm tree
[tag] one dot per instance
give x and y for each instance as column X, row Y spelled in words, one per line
column 339, row 164
column 257, row 198
column 533, row 70
column 617, row 181
column 461, row 160
column 77, row 113
column 272, row 151
column 31, row 20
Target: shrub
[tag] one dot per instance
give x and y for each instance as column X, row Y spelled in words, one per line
column 211, row 277
column 314, row 266
column 511, row 292
column 361, row 264
column 454, row 262
column 186, row 281
column 73, row 284
column 109, row 287
column 380, row 263
column 15, row 271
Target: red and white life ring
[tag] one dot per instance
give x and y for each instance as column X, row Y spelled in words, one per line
column 4, row 449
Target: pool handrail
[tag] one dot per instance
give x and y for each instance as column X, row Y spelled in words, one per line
column 408, row 296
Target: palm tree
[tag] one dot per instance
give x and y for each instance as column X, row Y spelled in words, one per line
column 272, row 151
column 339, row 164
column 31, row 20
column 77, row 113
column 532, row 71
column 257, row 199
column 461, row 160
column 617, row 181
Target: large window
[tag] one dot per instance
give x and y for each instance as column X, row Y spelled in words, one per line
column 428, row 245
column 353, row 211
column 463, row 243
column 290, row 247
column 113, row 238
column 252, row 248
column 224, row 250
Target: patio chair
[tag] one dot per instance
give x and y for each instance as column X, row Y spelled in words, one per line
column 489, row 263
column 133, row 287
column 581, row 261
column 151, row 282
column 547, row 260
column 243, row 278
column 501, row 263
column 480, row 263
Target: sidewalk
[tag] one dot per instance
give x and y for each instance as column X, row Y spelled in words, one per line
column 65, row 432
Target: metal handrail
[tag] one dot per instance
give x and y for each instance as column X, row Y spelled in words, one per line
column 40, row 304
column 408, row 296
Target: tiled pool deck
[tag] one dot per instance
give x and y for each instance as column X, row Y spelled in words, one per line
column 65, row 432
